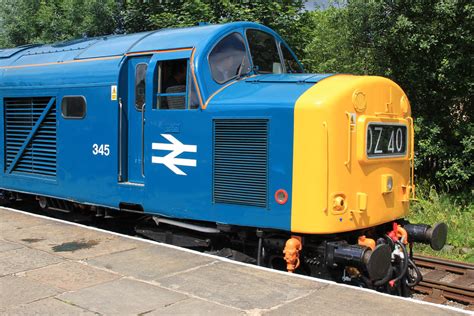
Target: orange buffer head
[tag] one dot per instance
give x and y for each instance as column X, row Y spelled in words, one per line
column 292, row 250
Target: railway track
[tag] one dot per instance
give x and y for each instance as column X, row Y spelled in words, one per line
column 445, row 280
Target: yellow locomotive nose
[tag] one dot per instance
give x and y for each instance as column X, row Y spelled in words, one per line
column 352, row 155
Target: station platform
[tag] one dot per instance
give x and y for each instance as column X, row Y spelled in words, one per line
column 51, row 267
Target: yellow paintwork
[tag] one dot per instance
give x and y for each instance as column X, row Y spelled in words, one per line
column 329, row 160
column 361, row 202
column 384, row 184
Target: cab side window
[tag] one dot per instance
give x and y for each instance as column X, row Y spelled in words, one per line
column 264, row 52
column 172, row 84
column 140, row 84
column 175, row 87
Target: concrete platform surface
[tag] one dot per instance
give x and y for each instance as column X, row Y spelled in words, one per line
column 50, row 267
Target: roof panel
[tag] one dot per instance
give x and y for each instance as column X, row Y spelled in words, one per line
column 112, row 45
column 44, row 58
column 176, row 38
column 9, row 52
column 75, row 45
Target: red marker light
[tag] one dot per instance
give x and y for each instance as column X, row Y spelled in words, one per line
column 281, row 196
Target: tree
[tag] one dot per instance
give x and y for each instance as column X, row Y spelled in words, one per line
column 286, row 17
column 426, row 47
column 45, row 21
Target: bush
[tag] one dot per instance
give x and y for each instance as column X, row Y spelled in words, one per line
column 424, row 46
column 457, row 211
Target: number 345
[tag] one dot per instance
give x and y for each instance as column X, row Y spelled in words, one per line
column 102, row 149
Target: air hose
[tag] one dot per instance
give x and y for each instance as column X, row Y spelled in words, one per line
column 385, row 279
column 411, row 282
column 404, row 268
column 367, row 282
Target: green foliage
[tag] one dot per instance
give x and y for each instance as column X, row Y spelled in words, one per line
column 457, row 211
column 283, row 16
column 445, row 161
column 45, row 21
column 426, row 47
column 329, row 50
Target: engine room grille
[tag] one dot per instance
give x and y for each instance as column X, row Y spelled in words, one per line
column 30, row 136
column 241, row 162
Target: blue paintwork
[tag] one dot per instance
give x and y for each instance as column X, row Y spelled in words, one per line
column 289, row 78
column 91, row 179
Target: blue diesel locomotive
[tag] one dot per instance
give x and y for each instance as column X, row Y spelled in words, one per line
column 217, row 130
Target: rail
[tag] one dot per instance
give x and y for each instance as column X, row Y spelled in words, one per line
column 445, row 280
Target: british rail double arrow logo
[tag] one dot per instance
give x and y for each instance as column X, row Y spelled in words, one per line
column 177, row 148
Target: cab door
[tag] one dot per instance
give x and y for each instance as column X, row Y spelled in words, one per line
column 176, row 133
column 133, row 120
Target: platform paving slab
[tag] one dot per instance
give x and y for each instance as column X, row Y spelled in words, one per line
column 47, row 306
column 239, row 286
column 7, row 246
column 192, row 306
column 150, row 263
column 23, row 259
column 70, row 275
column 11, row 221
column 69, row 241
column 122, row 297
column 338, row 300
column 15, row 291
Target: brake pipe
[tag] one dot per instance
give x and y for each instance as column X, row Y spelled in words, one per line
column 385, row 279
column 419, row 276
column 404, row 265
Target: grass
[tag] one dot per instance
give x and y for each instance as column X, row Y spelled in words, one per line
column 457, row 211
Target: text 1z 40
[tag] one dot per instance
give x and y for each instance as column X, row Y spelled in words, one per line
column 386, row 140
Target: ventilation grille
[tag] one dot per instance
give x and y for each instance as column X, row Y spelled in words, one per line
column 39, row 156
column 241, row 162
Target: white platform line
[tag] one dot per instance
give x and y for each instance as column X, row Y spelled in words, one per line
column 313, row 279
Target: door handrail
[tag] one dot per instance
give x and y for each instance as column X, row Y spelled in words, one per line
column 143, row 139
column 350, row 124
